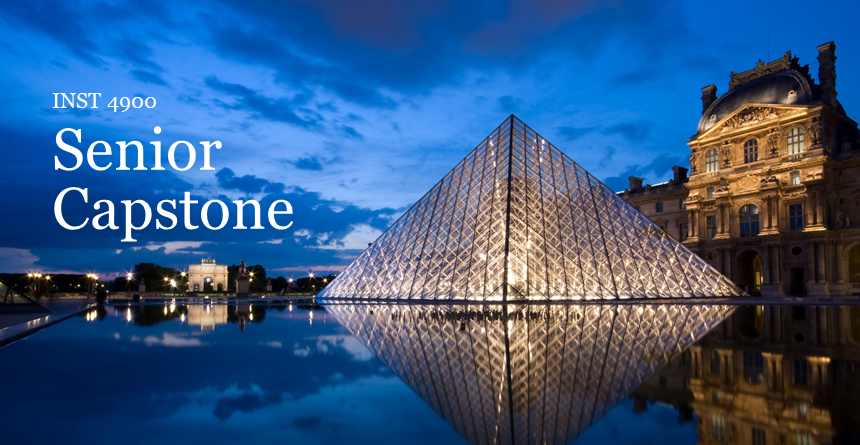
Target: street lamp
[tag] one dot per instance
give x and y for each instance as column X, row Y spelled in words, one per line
column 289, row 285
column 91, row 277
column 311, row 280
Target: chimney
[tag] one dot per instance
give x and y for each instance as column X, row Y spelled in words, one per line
column 827, row 73
column 635, row 183
column 680, row 174
column 709, row 95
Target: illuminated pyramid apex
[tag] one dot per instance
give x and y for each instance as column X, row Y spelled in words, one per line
column 518, row 220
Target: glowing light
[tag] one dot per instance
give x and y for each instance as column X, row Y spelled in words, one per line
column 128, row 314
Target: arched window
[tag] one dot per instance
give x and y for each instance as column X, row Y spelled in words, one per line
column 711, row 160
column 750, row 151
column 795, row 178
column 749, row 220
column 795, row 141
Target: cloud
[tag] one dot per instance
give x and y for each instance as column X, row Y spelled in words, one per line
column 171, row 247
column 348, row 343
column 148, row 77
column 272, row 241
column 574, row 133
column 274, row 344
column 170, row 340
column 248, row 183
column 277, row 110
column 250, row 401
column 17, row 260
column 357, row 239
column 661, row 165
column 634, row 132
column 311, row 163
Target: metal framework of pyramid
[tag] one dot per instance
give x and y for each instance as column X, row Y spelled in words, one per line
column 522, row 373
column 519, row 220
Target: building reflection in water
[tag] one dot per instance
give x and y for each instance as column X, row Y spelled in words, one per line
column 525, row 373
column 207, row 316
column 769, row 375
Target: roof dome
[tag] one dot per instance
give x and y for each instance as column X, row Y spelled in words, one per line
column 788, row 87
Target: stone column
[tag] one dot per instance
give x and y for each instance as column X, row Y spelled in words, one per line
column 719, row 219
column 808, row 210
column 819, row 209
column 766, row 206
column 773, row 370
column 765, row 269
column 810, row 262
column 840, row 265
column 822, row 269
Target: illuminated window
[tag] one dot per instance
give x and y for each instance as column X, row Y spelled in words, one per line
column 795, row 216
column 802, row 410
column 718, row 429
column 710, row 193
column 749, row 220
column 711, row 160
column 804, row 438
column 711, row 226
column 750, row 151
column 795, row 141
column 659, row 207
column 795, row 178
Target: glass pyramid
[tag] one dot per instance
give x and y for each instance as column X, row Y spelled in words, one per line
column 525, row 373
column 519, row 220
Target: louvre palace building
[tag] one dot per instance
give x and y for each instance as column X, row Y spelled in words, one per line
column 772, row 194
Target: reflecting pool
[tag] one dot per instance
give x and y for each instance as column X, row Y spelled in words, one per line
column 396, row 373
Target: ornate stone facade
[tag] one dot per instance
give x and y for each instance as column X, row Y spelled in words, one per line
column 768, row 375
column 774, row 191
column 207, row 276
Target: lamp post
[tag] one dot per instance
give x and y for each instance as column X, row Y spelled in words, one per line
column 91, row 278
column 128, row 278
column 47, row 285
column 184, row 279
column 311, row 281
column 289, row 285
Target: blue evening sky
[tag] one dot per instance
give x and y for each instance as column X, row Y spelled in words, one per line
column 351, row 111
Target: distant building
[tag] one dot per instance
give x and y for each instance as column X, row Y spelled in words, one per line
column 773, row 198
column 207, row 276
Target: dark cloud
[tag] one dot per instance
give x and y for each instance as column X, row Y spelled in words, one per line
column 245, row 403
column 632, row 131
column 43, row 17
column 148, row 77
column 574, row 133
column 311, row 163
column 278, row 110
column 658, row 170
column 137, row 53
column 248, row 183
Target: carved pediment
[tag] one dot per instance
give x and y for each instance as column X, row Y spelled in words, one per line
column 752, row 115
column 748, row 183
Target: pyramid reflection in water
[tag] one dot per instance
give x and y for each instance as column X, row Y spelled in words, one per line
column 518, row 220
column 510, row 374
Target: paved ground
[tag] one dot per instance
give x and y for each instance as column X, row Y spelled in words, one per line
column 53, row 306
